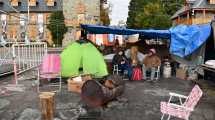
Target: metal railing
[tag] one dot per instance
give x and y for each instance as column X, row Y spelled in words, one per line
column 6, row 54
column 22, row 56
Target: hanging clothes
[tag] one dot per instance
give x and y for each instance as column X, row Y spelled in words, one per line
column 111, row 38
column 91, row 37
column 120, row 39
column 105, row 39
column 99, row 39
column 133, row 38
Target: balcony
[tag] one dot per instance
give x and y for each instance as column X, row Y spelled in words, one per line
column 201, row 20
column 193, row 21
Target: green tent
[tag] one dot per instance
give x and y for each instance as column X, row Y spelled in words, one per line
column 84, row 56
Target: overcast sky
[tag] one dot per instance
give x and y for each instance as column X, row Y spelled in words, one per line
column 119, row 11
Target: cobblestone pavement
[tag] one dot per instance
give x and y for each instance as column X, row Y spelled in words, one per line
column 140, row 101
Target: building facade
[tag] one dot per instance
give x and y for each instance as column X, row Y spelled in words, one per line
column 195, row 12
column 15, row 24
column 15, row 21
column 78, row 12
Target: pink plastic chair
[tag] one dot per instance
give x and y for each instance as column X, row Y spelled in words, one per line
column 49, row 69
column 184, row 109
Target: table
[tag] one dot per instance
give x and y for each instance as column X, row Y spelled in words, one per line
column 208, row 68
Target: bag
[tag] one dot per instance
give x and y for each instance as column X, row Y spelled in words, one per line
column 137, row 74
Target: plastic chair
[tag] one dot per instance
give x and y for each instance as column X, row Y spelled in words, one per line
column 184, row 109
column 157, row 73
column 116, row 69
column 49, row 69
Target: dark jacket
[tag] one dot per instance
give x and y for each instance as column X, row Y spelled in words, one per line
column 117, row 59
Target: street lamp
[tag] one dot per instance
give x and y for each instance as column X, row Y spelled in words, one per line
column 26, row 31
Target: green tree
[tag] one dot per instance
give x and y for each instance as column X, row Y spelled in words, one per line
column 57, row 27
column 171, row 6
column 154, row 16
column 150, row 13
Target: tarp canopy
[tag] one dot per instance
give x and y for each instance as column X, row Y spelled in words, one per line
column 185, row 39
column 95, row 29
column 85, row 56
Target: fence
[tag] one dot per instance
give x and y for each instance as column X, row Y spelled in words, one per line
column 22, row 56
column 6, row 58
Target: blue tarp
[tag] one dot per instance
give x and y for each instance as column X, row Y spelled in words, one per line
column 95, row 29
column 184, row 39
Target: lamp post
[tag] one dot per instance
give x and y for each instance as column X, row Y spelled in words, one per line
column 28, row 21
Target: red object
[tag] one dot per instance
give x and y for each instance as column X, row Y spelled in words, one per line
column 137, row 74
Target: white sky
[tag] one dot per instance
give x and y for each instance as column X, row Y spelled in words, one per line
column 119, row 11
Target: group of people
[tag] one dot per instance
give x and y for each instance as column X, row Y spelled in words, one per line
column 132, row 58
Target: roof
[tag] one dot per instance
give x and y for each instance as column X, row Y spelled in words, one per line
column 41, row 6
column 197, row 4
column 180, row 11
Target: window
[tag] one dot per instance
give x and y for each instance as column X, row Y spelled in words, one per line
column 50, row 2
column 3, row 17
column 211, row 1
column 40, row 19
column 19, row 4
column 14, row 2
column 32, row 2
column 1, row 4
column 22, row 19
column 33, row 18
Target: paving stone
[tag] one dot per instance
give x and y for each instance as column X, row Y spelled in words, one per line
column 4, row 103
column 30, row 114
column 57, row 119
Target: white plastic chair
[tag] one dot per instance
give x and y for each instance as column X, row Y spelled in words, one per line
column 157, row 73
column 184, row 109
column 116, row 69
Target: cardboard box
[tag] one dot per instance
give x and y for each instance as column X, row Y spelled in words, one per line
column 75, row 86
column 86, row 77
column 181, row 74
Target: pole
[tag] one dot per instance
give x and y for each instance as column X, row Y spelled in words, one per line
column 28, row 21
column 28, row 12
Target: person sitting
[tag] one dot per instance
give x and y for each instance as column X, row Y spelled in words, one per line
column 150, row 62
column 134, row 55
column 123, row 63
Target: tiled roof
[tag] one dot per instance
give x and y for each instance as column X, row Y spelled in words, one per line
column 23, row 7
column 180, row 11
column 195, row 5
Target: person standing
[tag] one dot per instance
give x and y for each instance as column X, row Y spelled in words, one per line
column 150, row 62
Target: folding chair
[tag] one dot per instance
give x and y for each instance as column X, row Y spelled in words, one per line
column 49, row 69
column 184, row 109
